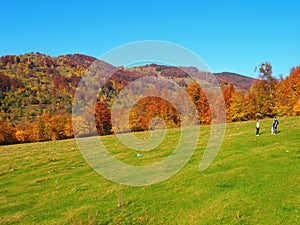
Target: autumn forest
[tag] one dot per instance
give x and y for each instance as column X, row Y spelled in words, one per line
column 37, row 92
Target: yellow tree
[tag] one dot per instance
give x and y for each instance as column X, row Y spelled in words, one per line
column 296, row 108
column 237, row 109
column 199, row 98
column 261, row 98
column 288, row 94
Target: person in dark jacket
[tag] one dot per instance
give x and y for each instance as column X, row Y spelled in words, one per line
column 275, row 124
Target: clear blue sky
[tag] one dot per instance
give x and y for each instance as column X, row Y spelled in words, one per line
column 233, row 35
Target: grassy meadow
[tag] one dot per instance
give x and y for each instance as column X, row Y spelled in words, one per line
column 253, row 180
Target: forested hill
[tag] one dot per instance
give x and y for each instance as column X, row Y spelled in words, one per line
column 241, row 81
column 34, row 83
column 180, row 75
column 37, row 90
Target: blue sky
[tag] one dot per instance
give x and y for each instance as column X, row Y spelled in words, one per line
column 234, row 35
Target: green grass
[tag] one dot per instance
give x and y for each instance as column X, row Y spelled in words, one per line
column 253, row 180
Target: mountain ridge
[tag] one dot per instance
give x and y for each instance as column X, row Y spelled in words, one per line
column 86, row 60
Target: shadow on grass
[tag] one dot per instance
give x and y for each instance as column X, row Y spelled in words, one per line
column 263, row 132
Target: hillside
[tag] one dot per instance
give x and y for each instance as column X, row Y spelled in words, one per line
column 253, row 180
column 37, row 93
column 239, row 81
column 180, row 75
column 35, row 83
column 36, row 87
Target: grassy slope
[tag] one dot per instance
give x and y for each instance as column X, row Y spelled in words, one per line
column 253, row 180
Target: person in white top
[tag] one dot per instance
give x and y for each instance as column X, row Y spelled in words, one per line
column 257, row 127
